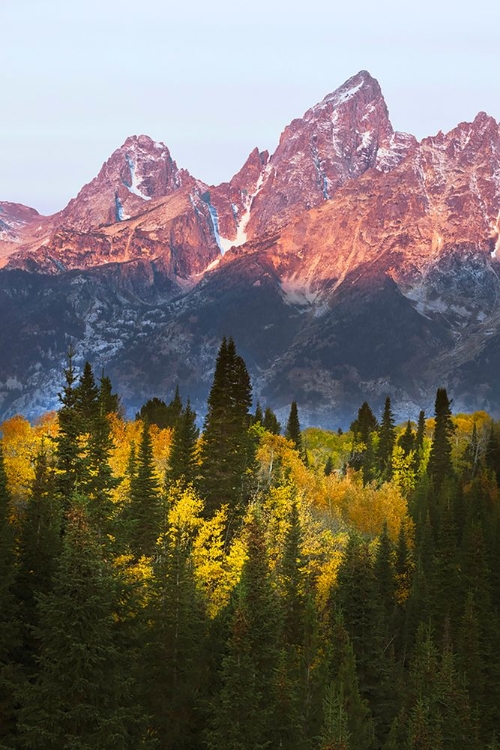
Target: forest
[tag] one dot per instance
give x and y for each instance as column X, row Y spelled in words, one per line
column 247, row 585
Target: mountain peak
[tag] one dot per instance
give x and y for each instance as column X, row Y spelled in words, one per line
column 343, row 93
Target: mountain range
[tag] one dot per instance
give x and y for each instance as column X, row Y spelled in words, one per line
column 352, row 263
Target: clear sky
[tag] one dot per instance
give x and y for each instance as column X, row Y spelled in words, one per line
column 214, row 79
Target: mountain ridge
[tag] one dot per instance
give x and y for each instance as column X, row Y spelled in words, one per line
column 298, row 256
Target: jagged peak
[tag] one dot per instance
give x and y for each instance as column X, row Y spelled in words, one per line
column 143, row 142
column 347, row 90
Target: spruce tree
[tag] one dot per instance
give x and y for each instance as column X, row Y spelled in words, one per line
column 9, row 616
column 172, row 656
column 143, row 512
column 39, row 549
column 335, row 733
column 440, row 465
column 258, row 416
column 419, row 440
column 365, row 423
column 183, row 466
column 109, row 401
column 407, row 439
column 80, row 697
column 69, row 459
column 292, row 431
column 226, row 449
column 243, row 711
column 270, row 422
column 87, row 399
column 387, row 439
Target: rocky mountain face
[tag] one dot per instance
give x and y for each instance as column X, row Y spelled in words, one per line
column 351, row 264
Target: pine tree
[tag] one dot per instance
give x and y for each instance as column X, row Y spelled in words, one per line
column 183, row 466
column 270, row 422
column 69, row 458
column 407, row 439
column 172, row 657
column 344, row 682
column 87, row 399
column 39, row 550
column 419, row 441
column 9, row 624
column 100, row 482
column 79, row 698
column 143, row 512
column 386, row 581
column 226, row 450
column 109, row 401
column 292, row 431
column 364, row 424
column 387, row 439
column 440, row 465
column 335, row 732
column 293, row 583
column 242, row 713
column 328, row 466
column 258, row 416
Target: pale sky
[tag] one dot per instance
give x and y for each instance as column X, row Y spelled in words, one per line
column 214, row 79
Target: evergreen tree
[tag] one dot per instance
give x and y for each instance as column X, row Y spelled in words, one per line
column 270, row 422
column 172, row 657
column 109, row 401
column 440, row 465
column 386, row 581
column 358, row 597
column 9, row 625
column 87, row 399
column 39, row 549
column 419, row 441
column 292, row 581
column 259, row 416
column 226, row 450
column 328, row 466
column 80, row 697
column 292, row 431
column 69, row 459
column 156, row 411
column 183, row 465
column 143, row 512
column 407, row 439
column 387, row 439
column 100, row 482
column 365, row 423
column 242, row 713
column 335, row 733
column 345, row 683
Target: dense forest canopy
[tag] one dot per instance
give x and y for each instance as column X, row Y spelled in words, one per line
column 236, row 588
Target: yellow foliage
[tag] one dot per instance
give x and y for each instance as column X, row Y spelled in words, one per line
column 366, row 508
column 216, row 572
column 184, row 515
column 21, row 443
column 403, row 472
column 125, row 433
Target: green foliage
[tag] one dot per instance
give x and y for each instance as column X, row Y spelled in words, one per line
column 156, row 411
column 386, row 442
column 183, row 466
column 292, row 431
column 80, row 696
column 226, row 450
column 143, row 512
column 440, row 465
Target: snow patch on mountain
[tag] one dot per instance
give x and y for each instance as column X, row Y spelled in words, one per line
column 134, row 181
